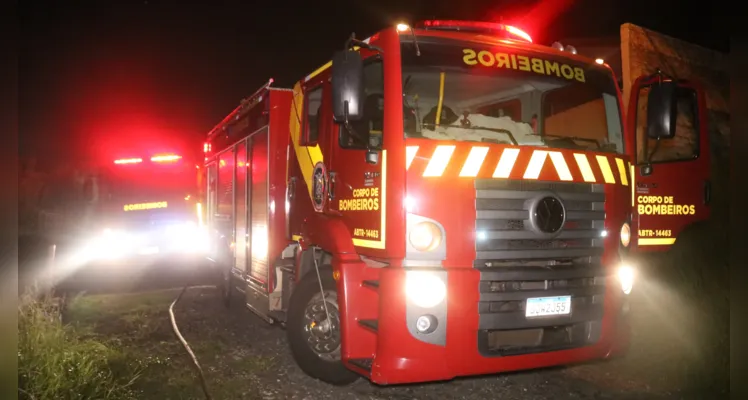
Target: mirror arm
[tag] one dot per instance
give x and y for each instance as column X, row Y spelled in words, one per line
column 352, row 41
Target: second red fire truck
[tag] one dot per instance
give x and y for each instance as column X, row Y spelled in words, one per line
column 442, row 200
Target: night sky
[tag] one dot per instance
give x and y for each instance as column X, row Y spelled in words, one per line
column 95, row 75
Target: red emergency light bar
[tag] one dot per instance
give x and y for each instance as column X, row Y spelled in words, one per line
column 128, row 161
column 475, row 26
column 166, row 158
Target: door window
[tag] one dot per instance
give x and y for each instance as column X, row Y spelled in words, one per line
column 313, row 119
column 683, row 146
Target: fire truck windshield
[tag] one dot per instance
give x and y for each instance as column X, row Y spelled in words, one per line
column 149, row 182
column 468, row 91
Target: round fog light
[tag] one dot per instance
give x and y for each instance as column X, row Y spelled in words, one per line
column 626, row 278
column 426, row 324
column 423, row 289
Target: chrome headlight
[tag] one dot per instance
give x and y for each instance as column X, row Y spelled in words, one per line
column 425, row 242
column 425, row 236
column 625, row 234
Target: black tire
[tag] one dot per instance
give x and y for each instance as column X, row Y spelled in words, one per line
column 332, row 372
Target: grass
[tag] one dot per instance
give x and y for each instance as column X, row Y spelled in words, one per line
column 139, row 326
column 121, row 346
column 55, row 363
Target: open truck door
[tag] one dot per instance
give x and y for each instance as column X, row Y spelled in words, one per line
column 669, row 141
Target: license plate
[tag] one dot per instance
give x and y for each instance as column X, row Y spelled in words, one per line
column 149, row 250
column 543, row 306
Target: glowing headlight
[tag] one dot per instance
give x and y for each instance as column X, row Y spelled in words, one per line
column 625, row 234
column 425, row 236
column 111, row 244
column 424, row 289
column 188, row 237
column 626, row 276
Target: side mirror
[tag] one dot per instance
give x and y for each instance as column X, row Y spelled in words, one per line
column 661, row 110
column 347, row 86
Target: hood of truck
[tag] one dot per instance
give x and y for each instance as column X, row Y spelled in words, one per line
column 488, row 199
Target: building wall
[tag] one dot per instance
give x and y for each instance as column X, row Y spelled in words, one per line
column 643, row 51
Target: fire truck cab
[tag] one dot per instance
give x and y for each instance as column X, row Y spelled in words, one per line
column 142, row 208
column 442, row 200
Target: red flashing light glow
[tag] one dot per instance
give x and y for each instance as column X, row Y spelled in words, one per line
column 128, row 161
column 518, row 32
column 478, row 25
column 166, row 158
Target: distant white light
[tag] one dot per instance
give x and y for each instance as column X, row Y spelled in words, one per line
column 600, row 61
column 402, row 27
column 604, row 234
column 481, row 235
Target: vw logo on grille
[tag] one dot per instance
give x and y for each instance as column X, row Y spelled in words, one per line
column 548, row 215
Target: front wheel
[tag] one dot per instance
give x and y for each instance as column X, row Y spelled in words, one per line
column 314, row 331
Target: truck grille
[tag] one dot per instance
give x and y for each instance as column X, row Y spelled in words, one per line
column 504, row 227
column 518, row 261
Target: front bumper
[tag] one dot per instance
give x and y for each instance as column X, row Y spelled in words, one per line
column 404, row 356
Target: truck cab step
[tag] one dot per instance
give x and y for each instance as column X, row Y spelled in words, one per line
column 371, row 324
column 362, row 363
column 371, row 283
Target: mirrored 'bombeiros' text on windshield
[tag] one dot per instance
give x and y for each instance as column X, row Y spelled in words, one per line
column 467, row 92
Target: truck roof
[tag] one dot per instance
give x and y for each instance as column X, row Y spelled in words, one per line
column 244, row 106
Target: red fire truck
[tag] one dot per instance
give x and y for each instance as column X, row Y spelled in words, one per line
column 437, row 201
column 142, row 207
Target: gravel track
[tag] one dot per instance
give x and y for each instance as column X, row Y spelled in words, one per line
column 661, row 344
column 249, row 336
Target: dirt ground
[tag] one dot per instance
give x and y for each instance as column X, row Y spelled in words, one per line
column 244, row 358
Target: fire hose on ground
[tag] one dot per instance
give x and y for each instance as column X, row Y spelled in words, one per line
column 181, row 338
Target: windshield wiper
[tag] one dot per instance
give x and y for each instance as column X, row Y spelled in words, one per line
column 477, row 128
column 574, row 138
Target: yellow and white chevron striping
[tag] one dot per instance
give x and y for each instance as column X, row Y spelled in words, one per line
column 610, row 170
